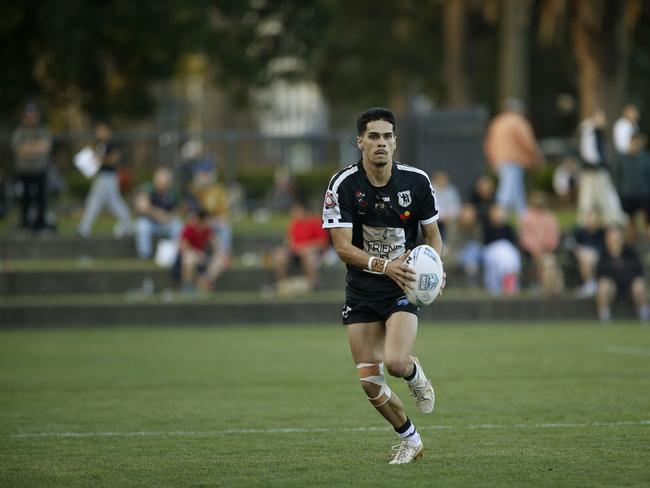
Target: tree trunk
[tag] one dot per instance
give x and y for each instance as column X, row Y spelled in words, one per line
column 616, row 57
column 454, row 35
column 602, row 47
column 587, row 44
column 513, row 49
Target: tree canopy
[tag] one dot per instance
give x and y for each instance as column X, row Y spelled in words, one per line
column 103, row 56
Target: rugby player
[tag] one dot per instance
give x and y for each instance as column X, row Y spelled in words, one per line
column 373, row 210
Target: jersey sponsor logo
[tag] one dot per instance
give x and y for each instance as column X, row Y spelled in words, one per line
column 331, row 210
column 404, row 198
column 383, row 205
column 330, row 199
column 384, row 242
column 330, row 207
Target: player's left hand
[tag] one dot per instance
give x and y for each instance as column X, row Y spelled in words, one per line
column 400, row 273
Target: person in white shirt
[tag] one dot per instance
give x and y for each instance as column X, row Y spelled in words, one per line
column 595, row 189
column 448, row 198
column 625, row 127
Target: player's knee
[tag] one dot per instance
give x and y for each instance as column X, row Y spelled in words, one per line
column 373, row 383
column 371, row 389
column 399, row 367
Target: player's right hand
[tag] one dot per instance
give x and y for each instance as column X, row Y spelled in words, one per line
column 400, row 273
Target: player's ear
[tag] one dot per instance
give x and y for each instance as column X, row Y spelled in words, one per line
column 360, row 142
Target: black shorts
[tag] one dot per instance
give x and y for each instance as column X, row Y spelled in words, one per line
column 632, row 205
column 623, row 287
column 357, row 311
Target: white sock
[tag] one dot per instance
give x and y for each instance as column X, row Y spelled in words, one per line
column 408, row 432
column 604, row 314
column 418, row 375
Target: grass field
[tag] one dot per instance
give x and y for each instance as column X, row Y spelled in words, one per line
column 557, row 405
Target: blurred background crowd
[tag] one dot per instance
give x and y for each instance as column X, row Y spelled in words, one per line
column 528, row 115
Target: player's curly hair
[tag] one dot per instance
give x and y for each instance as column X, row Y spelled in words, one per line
column 374, row 113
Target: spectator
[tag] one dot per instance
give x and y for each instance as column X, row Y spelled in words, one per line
column 282, row 195
column 620, row 275
column 587, row 243
column 190, row 159
column 449, row 202
column 596, row 190
column 156, row 206
column 32, row 143
column 482, row 198
column 625, row 127
column 510, row 147
column 633, row 176
column 200, row 261
column 539, row 236
column 305, row 244
column 501, row 258
column 212, row 196
column 105, row 190
column 565, row 179
column 467, row 246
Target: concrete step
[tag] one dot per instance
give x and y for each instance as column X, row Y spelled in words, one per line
column 250, row 308
column 96, row 276
column 121, row 279
column 119, row 276
column 45, row 246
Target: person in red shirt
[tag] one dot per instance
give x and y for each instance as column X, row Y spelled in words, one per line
column 201, row 263
column 306, row 241
column 539, row 237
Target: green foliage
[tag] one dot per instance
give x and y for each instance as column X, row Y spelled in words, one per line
column 312, row 184
column 542, row 178
column 103, row 53
column 257, row 181
column 107, row 53
column 518, row 405
column 77, row 185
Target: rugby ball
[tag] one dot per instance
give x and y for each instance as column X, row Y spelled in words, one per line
column 426, row 263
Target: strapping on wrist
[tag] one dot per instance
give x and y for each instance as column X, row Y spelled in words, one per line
column 377, row 265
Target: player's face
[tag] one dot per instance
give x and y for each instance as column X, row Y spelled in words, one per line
column 378, row 142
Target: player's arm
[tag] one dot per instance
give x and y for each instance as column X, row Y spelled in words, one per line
column 353, row 256
column 432, row 237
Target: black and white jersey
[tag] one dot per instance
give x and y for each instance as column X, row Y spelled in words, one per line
column 384, row 220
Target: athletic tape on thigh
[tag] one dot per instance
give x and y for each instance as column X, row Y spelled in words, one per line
column 374, row 373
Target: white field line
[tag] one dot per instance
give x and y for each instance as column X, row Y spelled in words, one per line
column 630, row 350
column 299, row 430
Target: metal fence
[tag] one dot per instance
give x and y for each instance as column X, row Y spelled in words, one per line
column 448, row 140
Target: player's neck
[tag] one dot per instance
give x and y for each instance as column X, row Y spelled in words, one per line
column 377, row 175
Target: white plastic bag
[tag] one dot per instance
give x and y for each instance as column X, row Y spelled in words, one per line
column 166, row 252
column 86, row 161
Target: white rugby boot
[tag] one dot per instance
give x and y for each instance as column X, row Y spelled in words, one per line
column 407, row 452
column 421, row 390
